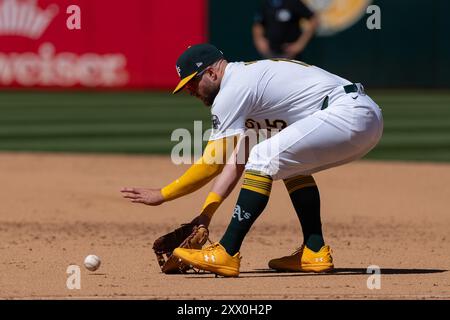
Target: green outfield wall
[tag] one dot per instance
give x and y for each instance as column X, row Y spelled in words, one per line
column 412, row 48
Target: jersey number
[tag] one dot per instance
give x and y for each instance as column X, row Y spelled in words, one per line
column 275, row 124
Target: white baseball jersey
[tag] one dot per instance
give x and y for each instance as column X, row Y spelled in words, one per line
column 288, row 95
column 269, row 94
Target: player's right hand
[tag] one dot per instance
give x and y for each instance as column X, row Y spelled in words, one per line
column 151, row 197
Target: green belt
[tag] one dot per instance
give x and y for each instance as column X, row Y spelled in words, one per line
column 348, row 89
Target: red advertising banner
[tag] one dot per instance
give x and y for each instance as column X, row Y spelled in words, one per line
column 96, row 43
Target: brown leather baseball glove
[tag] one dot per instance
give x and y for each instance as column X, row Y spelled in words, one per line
column 189, row 235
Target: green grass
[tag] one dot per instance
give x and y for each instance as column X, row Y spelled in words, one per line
column 417, row 123
column 416, row 126
column 136, row 122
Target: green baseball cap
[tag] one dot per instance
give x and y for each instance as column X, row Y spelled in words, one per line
column 194, row 60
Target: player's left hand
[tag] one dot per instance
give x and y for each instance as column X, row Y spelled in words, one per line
column 151, row 197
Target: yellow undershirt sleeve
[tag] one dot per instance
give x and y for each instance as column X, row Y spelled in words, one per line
column 201, row 172
column 211, row 204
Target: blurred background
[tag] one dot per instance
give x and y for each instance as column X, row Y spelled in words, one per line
column 100, row 79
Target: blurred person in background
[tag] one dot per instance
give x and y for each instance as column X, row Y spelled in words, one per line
column 278, row 32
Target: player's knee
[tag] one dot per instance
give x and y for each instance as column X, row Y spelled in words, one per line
column 258, row 154
column 260, row 159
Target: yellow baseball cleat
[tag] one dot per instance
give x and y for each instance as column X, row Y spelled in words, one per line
column 213, row 258
column 305, row 260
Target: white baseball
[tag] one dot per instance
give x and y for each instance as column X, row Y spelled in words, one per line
column 92, row 262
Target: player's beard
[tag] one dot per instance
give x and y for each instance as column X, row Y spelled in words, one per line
column 210, row 95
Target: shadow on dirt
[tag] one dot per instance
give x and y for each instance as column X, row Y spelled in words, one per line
column 261, row 273
column 340, row 271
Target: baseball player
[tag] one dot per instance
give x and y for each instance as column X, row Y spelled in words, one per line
column 322, row 120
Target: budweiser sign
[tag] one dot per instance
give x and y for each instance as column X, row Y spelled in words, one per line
column 96, row 43
column 45, row 66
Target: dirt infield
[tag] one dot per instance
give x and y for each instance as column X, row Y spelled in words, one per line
column 56, row 209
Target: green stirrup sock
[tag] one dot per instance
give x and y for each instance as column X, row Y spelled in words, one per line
column 251, row 202
column 305, row 197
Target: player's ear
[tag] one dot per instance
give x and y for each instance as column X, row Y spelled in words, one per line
column 212, row 73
